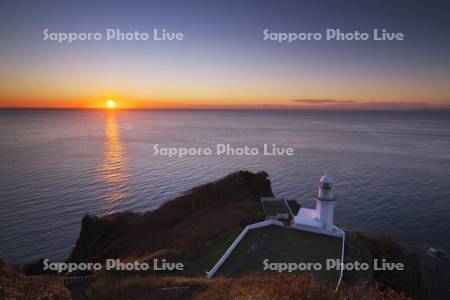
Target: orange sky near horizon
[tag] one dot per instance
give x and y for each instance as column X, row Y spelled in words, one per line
column 124, row 101
column 31, row 83
column 27, row 90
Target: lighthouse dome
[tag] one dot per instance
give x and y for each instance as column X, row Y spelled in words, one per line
column 326, row 179
column 326, row 188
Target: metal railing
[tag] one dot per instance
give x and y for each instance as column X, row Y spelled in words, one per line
column 236, row 242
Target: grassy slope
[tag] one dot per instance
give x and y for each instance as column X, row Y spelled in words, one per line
column 279, row 244
column 15, row 285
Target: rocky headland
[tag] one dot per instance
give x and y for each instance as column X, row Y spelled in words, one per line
column 197, row 227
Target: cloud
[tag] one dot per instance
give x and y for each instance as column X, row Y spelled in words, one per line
column 365, row 104
column 323, row 101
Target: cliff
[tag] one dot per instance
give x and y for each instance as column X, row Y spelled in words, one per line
column 15, row 285
column 278, row 287
column 197, row 227
column 183, row 224
column 361, row 248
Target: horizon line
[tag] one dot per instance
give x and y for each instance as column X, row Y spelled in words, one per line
column 260, row 108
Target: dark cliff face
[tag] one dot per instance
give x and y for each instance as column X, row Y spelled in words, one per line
column 15, row 285
column 184, row 226
column 362, row 248
column 184, row 223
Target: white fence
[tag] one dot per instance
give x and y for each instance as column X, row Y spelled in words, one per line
column 342, row 258
column 237, row 240
column 74, row 281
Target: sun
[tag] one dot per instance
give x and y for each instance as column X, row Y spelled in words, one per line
column 111, row 104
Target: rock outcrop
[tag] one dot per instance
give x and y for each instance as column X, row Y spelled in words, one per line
column 364, row 249
column 185, row 223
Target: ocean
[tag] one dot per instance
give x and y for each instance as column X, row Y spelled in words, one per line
column 391, row 169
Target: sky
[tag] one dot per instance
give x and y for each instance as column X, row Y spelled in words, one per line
column 223, row 60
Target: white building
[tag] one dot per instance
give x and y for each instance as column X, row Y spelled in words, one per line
column 320, row 219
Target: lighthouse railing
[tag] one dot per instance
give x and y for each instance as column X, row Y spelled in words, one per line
column 342, row 257
column 230, row 249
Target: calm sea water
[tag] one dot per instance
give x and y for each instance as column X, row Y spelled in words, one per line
column 391, row 168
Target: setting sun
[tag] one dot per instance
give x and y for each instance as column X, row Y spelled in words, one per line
column 111, row 104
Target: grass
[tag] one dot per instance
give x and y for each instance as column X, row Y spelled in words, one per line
column 278, row 287
column 212, row 253
column 279, row 244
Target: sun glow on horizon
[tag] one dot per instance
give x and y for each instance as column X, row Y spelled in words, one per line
column 111, row 104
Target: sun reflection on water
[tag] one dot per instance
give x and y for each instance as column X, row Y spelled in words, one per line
column 113, row 165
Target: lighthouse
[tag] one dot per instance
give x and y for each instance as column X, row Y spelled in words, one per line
column 320, row 218
column 325, row 202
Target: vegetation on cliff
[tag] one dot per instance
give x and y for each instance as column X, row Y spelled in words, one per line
column 279, row 287
column 15, row 285
column 196, row 228
column 361, row 248
column 185, row 224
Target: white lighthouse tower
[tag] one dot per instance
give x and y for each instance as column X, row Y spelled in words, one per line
column 325, row 202
column 320, row 219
